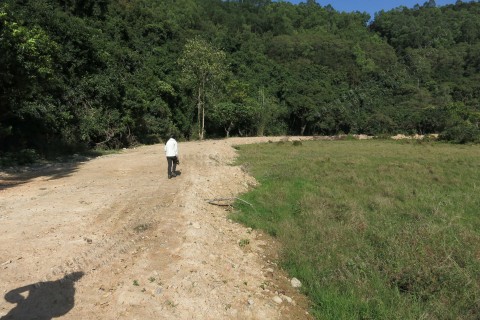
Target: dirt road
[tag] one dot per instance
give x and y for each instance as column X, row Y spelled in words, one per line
column 113, row 238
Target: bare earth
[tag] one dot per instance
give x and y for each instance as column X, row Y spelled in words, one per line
column 113, row 238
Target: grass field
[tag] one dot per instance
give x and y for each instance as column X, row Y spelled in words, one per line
column 374, row 229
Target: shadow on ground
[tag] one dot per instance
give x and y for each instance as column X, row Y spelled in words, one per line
column 43, row 300
column 18, row 175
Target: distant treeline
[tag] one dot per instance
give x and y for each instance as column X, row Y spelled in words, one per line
column 80, row 74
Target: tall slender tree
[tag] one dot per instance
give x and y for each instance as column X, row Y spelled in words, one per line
column 203, row 66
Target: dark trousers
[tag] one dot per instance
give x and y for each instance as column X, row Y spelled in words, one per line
column 172, row 165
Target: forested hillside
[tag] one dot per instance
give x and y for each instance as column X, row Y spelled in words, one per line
column 80, row 74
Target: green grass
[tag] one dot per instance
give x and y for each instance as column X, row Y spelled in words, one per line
column 373, row 229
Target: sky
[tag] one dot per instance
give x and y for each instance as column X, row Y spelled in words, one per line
column 372, row 6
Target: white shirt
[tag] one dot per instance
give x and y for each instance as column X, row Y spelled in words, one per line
column 171, row 149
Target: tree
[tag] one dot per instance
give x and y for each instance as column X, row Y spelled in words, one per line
column 26, row 72
column 230, row 115
column 430, row 4
column 248, row 111
column 85, row 73
column 306, row 89
column 203, row 66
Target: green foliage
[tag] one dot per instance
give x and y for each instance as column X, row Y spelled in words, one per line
column 26, row 70
column 373, row 229
column 229, row 115
column 462, row 133
column 245, row 110
column 82, row 74
column 203, row 68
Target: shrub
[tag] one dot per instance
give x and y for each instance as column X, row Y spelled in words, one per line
column 461, row 133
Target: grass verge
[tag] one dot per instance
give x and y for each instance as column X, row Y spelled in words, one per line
column 373, row 229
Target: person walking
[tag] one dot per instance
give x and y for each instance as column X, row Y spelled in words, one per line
column 171, row 151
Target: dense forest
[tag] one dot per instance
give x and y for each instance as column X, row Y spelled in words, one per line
column 83, row 74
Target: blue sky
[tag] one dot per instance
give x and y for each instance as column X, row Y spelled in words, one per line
column 372, row 6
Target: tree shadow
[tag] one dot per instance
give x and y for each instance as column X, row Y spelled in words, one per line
column 57, row 170
column 43, row 300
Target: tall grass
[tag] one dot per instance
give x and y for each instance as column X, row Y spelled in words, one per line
column 374, row 229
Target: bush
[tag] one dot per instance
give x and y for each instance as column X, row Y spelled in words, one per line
column 461, row 133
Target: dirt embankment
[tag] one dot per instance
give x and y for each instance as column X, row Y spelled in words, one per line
column 113, row 238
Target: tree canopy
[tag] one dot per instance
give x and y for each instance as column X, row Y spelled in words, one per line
column 111, row 73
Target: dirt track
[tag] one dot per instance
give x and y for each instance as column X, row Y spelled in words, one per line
column 113, row 238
